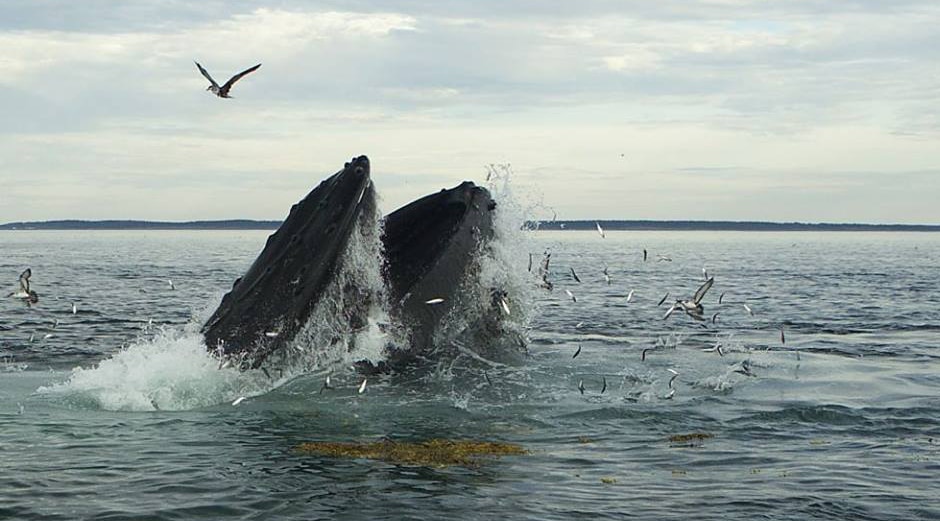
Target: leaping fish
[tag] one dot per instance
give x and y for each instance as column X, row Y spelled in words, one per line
column 503, row 304
column 326, row 384
column 716, row 348
column 600, row 230
column 663, row 299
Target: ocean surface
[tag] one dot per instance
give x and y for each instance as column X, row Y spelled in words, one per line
column 116, row 411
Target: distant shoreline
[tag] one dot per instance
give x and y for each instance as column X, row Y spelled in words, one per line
column 613, row 225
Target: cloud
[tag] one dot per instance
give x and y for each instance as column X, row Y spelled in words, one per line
column 104, row 99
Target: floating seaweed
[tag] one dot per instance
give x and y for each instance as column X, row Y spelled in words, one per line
column 689, row 440
column 435, row 452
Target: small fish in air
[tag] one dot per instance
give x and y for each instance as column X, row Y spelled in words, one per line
column 505, row 305
column 675, row 375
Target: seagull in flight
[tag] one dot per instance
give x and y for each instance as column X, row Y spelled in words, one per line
column 24, row 291
column 693, row 307
column 222, row 91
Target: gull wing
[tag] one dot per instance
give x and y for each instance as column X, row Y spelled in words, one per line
column 228, row 85
column 206, row 74
column 24, row 280
column 702, row 290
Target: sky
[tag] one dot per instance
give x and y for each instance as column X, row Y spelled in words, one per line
column 798, row 110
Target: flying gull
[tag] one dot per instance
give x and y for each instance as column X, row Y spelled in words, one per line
column 222, row 91
column 693, row 307
column 25, row 292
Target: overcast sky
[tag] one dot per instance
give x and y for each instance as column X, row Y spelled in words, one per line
column 809, row 110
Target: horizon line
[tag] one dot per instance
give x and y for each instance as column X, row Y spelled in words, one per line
column 558, row 224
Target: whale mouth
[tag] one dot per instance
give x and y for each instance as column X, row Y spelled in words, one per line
column 334, row 278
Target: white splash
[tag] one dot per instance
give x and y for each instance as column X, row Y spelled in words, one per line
column 172, row 371
column 498, row 265
column 327, row 340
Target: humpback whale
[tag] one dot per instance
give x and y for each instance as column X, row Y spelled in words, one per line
column 430, row 246
column 269, row 305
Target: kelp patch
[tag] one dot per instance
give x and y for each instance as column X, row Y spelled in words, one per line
column 689, row 440
column 433, row 453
